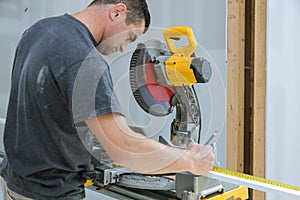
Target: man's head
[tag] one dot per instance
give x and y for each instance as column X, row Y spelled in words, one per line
column 128, row 20
column 137, row 10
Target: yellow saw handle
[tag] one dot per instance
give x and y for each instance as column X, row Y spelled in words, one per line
column 175, row 33
column 178, row 66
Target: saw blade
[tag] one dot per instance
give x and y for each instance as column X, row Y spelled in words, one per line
column 153, row 97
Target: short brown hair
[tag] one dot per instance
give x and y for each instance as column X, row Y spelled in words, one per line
column 137, row 10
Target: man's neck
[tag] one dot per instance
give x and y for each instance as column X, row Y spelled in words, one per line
column 88, row 16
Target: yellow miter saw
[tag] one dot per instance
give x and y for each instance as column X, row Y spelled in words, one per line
column 162, row 76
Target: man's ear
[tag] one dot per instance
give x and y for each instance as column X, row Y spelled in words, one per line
column 118, row 11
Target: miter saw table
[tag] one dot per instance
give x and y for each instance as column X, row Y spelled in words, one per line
column 113, row 192
column 120, row 183
column 162, row 76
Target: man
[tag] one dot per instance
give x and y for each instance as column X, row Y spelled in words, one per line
column 61, row 88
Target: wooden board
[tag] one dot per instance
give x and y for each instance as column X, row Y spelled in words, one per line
column 259, row 92
column 246, row 88
column 235, row 85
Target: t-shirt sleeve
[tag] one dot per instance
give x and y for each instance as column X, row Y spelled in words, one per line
column 87, row 89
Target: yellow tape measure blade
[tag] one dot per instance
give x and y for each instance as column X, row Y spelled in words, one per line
column 253, row 182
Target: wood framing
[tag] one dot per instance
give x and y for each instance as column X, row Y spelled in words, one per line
column 235, row 85
column 259, row 91
column 246, row 88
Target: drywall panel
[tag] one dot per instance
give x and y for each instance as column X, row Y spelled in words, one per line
column 283, row 97
column 207, row 18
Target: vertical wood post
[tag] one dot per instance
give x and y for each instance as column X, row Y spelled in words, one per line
column 235, row 85
column 246, row 88
column 259, row 92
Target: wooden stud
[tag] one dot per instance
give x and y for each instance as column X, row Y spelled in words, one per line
column 246, row 84
column 259, row 92
column 235, row 85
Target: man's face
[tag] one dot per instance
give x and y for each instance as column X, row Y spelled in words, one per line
column 117, row 36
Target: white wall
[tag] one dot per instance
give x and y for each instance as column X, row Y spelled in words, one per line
column 15, row 17
column 207, row 18
column 208, row 21
column 283, row 94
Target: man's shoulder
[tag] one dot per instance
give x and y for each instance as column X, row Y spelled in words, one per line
column 62, row 37
column 64, row 27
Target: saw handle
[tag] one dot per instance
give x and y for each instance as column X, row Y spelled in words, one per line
column 175, row 33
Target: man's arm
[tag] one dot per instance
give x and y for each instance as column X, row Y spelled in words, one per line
column 141, row 154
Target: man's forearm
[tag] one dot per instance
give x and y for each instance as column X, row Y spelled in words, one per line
column 139, row 153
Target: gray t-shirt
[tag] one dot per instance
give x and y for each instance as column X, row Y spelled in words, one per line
column 59, row 80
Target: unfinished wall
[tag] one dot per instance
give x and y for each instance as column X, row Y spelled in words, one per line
column 283, row 97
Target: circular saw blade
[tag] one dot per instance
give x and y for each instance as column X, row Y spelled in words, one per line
column 153, row 97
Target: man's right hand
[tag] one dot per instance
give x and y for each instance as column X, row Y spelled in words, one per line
column 202, row 158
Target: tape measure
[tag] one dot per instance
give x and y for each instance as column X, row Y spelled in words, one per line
column 253, row 182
